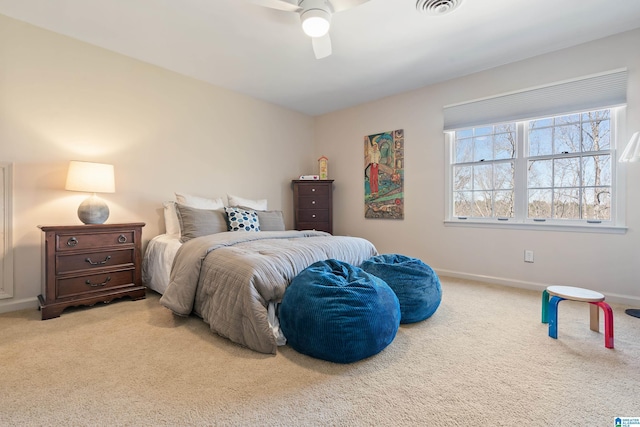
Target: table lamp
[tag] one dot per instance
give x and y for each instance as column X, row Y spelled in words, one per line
column 92, row 178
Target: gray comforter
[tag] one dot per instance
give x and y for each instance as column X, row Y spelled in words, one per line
column 229, row 278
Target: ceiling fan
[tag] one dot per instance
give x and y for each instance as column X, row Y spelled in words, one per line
column 315, row 16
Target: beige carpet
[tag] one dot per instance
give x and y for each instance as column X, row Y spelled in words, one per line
column 483, row 359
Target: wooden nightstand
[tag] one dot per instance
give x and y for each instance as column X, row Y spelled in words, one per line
column 87, row 264
column 313, row 204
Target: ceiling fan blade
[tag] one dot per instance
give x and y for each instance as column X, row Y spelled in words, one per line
column 321, row 46
column 286, row 5
column 339, row 5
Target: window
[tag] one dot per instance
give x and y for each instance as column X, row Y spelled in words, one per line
column 541, row 157
column 569, row 167
column 484, row 172
column 555, row 170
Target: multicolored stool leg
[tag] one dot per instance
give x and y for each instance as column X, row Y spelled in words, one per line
column 608, row 322
column 553, row 316
column 594, row 317
column 545, row 306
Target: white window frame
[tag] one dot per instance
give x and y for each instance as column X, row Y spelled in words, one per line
column 472, row 163
column 520, row 221
column 607, row 89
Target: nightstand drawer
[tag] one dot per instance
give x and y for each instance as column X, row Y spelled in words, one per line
column 313, row 203
column 94, row 283
column 313, row 189
column 312, row 215
column 96, row 240
column 92, row 260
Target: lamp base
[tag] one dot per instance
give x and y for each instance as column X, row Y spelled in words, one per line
column 93, row 210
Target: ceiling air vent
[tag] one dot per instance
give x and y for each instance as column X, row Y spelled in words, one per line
column 437, row 7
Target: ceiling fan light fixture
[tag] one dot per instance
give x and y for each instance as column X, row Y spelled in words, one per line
column 315, row 22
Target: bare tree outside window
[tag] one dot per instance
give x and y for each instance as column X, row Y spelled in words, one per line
column 569, row 169
column 484, row 176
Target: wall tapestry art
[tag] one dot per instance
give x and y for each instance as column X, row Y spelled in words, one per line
column 384, row 175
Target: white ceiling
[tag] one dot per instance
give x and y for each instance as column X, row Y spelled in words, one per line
column 380, row 48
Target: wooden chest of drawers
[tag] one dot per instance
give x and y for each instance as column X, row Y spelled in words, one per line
column 313, row 205
column 86, row 264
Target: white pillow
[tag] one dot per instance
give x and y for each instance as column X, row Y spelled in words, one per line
column 260, row 205
column 199, row 202
column 171, row 222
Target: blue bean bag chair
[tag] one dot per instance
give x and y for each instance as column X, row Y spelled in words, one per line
column 337, row 312
column 414, row 282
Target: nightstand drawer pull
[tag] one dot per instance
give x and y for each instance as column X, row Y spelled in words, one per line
column 72, row 241
column 98, row 262
column 94, row 285
column 313, row 202
column 122, row 238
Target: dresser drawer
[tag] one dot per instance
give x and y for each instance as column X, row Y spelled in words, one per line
column 312, row 215
column 320, row 226
column 313, row 189
column 81, row 285
column 97, row 240
column 313, row 203
column 68, row 263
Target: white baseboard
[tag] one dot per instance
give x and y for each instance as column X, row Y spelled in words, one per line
column 534, row 286
column 21, row 304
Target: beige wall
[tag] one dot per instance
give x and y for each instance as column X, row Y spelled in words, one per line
column 61, row 99
column 606, row 262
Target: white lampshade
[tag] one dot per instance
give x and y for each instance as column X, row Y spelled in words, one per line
column 631, row 152
column 91, row 178
column 315, row 22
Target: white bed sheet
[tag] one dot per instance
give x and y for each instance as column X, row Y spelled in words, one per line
column 158, row 260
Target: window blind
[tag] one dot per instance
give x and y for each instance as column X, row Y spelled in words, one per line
column 603, row 90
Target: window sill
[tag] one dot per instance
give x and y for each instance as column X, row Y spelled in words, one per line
column 586, row 228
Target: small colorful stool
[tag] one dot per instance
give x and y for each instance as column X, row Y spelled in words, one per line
column 596, row 299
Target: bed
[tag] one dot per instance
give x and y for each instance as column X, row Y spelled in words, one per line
column 234, row 280
column 157, row 261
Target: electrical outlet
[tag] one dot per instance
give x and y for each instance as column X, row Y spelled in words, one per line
column 528, row 256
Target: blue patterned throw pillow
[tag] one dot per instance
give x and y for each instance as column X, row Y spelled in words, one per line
column 239, row 219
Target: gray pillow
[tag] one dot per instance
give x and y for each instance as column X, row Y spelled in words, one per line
column 269, row 220
column 199, row 222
